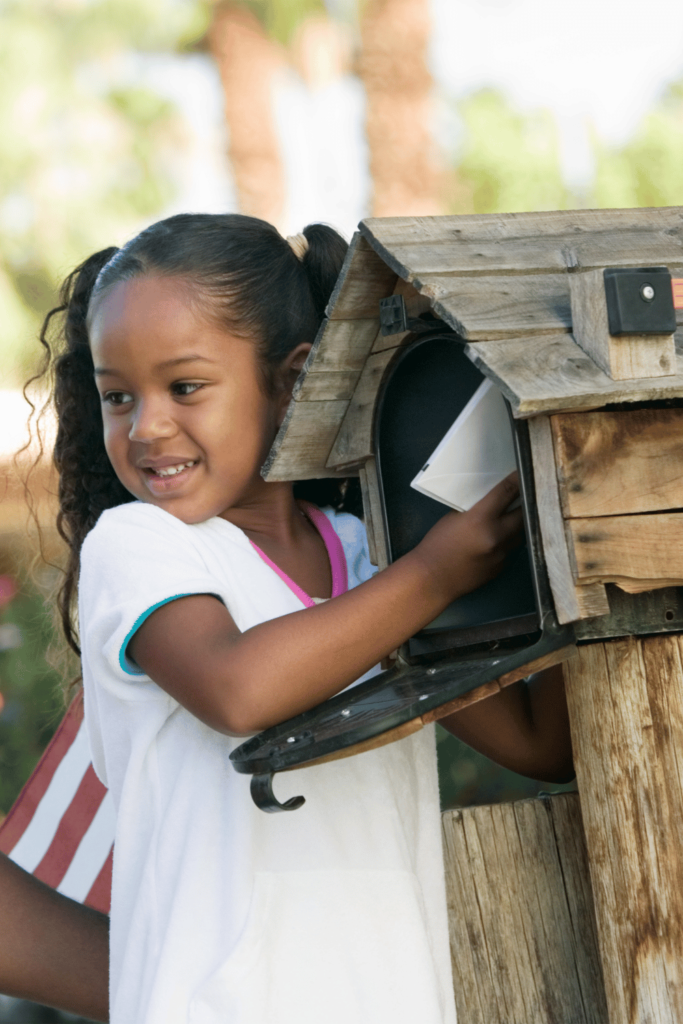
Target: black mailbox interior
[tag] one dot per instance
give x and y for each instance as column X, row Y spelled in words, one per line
column 426, row 388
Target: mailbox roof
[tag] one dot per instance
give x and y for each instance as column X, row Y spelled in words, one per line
column 501, row 282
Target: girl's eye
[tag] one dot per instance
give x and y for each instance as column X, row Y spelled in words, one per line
column 117, row 397
column 185, row 387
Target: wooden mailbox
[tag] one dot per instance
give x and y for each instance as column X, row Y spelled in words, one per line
column 523, row 293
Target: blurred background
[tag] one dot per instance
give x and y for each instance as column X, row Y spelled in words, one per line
column 115, row 113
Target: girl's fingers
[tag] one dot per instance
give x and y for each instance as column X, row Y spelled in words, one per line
column 512, row 529
column 500, row 497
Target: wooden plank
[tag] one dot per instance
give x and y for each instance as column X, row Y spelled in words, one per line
column 550, row 253
column 389, row 231
column 370, row 487
column 625, row 703
column 635, row 552
column 353, row 443
column 532, row 242
column 519, row 953
column 565, row 811
column 342, row 344
column 622, row 358
column 368, row 514
column 571, row 602
column 364, row 280
column 491, row 306
column 612, row 463
column 551, row 373
column 304, row 440
column 325, row 385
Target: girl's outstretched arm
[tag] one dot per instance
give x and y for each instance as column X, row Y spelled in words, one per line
column 52, row 950
column 525, row 727
column 241, row 683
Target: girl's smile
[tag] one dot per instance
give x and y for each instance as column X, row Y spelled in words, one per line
column 187, row 421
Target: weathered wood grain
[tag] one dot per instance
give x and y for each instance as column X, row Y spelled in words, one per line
column 489, row 307
column 571, row 602
column 499, row 243
column 343, row 344
column 364, row 279
column 326, row 385
column 373, row 509
column 625, row 357
column 551, row 373
column 353, row 443
column 304, row 440
column 612, row 463
column 626, row 709
column 645, row 549
column 522, row 929
column 501, row 226
column 368, row 517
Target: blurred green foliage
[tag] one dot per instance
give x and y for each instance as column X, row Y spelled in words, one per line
column 508, row 161
column 30, row 688
column 648, row 170
column 280, row 18
column 83, row 146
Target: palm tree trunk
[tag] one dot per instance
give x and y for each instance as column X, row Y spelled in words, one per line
column 247, row 62
column 393, row 66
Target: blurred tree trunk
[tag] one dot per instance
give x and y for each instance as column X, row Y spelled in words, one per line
column 247, row 61
column 393, row 67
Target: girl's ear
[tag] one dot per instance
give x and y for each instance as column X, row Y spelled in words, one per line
column 290, row 368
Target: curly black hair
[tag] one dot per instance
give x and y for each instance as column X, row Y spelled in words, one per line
column 247, row 278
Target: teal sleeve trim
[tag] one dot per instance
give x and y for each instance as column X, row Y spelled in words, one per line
column 129, row 667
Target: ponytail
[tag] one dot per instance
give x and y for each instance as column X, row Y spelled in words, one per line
column 87, row 482
column 322, row 262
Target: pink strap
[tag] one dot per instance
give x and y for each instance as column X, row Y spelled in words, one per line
column 335, row 553
column 335, row 550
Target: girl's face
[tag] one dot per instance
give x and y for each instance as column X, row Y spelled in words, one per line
column 187, row 423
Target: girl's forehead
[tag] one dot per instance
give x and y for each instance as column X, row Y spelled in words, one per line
column 150, row 296
column 155, row 314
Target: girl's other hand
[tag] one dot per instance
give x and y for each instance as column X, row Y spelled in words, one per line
column 466, row 549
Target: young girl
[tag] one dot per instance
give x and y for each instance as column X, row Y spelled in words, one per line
column 204, row 616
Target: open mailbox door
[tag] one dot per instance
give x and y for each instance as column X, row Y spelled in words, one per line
column 503, row 631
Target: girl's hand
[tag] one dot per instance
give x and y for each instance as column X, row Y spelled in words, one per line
column 466, row 549
column 242, row 682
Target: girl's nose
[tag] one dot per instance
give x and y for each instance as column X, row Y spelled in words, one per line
column 151, row 422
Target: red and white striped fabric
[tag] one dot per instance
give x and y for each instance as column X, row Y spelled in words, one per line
column 61, row 827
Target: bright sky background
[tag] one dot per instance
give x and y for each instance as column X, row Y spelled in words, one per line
column 599, row 62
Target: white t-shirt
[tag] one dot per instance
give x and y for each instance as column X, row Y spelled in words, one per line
column 222, row 914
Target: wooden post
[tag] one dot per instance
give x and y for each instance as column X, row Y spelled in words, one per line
column 522, row 925
column 623, row 358
column 626, row 710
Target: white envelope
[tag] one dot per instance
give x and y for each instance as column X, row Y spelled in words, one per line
column 476, row 453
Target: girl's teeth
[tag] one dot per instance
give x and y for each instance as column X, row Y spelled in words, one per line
column 172, row 470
